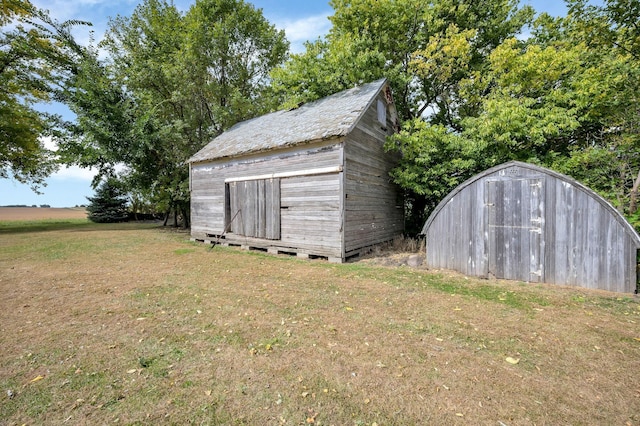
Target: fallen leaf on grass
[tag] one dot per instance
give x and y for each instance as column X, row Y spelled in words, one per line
column 513, row 361
column 311, row 418
column 637, row 338
column 37, row 378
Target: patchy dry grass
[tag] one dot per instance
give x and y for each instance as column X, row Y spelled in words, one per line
column 132, row 324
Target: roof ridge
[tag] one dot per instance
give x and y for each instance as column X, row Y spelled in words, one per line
column 332, row 116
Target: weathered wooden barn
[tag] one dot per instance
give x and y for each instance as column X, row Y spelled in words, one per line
column 518, row 221
column 313, row 180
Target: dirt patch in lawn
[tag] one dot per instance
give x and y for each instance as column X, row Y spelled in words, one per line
column 129, row 324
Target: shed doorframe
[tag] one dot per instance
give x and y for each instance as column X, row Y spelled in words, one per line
column 515, row 228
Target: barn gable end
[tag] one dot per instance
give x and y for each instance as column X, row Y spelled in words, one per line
column 312, row 181
column 524, row 222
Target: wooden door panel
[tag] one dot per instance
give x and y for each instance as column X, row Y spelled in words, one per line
column 254, row 208
column 515, row 234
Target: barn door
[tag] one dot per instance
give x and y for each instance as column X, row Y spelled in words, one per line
column 516, row 234
column 253, row 208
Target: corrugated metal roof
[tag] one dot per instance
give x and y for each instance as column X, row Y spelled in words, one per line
column 329, row 117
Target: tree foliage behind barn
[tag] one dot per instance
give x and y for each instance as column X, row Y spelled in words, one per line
column 481, row 83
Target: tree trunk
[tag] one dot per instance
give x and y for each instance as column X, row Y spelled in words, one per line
column 633, row 196
column 166, row 217
column 185, row 217
column 175, row 215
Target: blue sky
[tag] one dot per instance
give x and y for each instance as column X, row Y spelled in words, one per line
column 302, row 20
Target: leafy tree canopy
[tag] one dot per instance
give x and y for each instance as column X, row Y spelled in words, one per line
column 473, row 92
column 400, row 39
column 426, row 50
column 37, row 55
column 170, row 83
column 568, row 98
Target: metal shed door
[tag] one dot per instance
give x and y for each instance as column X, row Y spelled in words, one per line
column 516, row 234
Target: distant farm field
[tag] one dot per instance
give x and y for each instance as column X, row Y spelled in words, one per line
column 37, row 213
column 133, row 324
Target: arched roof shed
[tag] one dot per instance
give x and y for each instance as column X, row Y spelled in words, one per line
column 523, row 222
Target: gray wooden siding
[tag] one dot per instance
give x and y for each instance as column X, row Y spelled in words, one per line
column 310, row 214
column 336, row 196
column 310, row 218
column 460, row 245
column 589, row 248
column 373, row 206
column 517, row 221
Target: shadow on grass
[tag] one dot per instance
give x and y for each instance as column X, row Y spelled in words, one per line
column 23, row 227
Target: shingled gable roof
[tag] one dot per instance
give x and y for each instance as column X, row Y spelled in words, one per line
column 333, row 116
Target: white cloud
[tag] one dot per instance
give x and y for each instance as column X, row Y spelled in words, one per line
column 305, row 29
column 49, row 143
column 68, row 172
column 74, row 172
column 98, row 13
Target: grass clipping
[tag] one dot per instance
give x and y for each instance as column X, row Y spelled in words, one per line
column 129, row 324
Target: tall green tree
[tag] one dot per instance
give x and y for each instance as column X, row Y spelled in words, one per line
column 229, row 54
column 393, row 38
column 426, row 50
column 170, row 83
column 568, row 98
column 37, row 56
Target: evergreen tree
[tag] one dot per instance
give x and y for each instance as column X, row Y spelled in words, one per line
column 109, row 205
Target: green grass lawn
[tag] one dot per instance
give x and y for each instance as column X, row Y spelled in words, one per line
column 134, row 324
